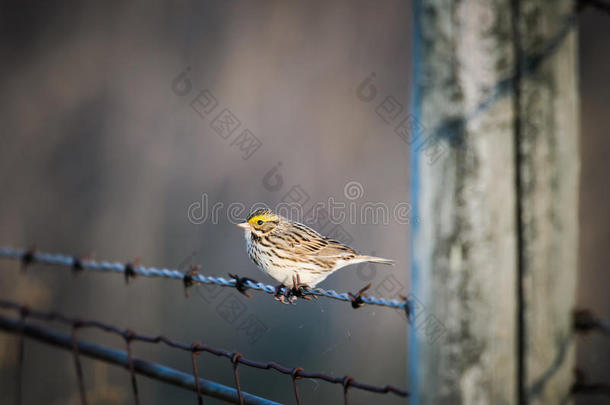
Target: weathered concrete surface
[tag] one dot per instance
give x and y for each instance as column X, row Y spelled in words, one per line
column 550, row 170
column 466, row 247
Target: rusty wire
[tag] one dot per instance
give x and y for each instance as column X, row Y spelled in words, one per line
column 106, row 354
column 295, row 377
column 128, row 335
column 77, row 364
column 236, row 358
column 584, row 320
column 597, row 5
column 132, row 269
column 582, row 386
column 194, row 353
column 23, row 313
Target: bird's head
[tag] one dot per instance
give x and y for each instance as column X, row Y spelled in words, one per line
column 261, row 222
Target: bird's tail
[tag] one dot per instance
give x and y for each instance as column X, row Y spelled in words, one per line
column 374, row 259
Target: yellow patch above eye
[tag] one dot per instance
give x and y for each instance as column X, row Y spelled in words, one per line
column 264, row 217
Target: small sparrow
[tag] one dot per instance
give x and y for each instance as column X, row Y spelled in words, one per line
column 294, row 254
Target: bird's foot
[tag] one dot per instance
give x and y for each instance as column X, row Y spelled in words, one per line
column 290, row 295
column 300, row 290
column 280, row 293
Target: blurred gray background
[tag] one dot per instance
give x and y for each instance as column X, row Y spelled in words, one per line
column 101, row 152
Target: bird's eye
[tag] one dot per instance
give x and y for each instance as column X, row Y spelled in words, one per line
column 260, row 222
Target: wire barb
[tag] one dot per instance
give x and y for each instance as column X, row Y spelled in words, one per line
column 130, row 270
column 357, row 299
column 294, row 373
column 77, row 266
column 235, row 360
column 27, row 258
column 346, row 384
column 194, row 353
column 242, row 284
column 77, row 364
column 189, row 278
column 128, row 335
column 409, row 311
column 585, row 321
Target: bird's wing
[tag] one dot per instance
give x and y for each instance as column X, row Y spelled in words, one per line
column 310, row 243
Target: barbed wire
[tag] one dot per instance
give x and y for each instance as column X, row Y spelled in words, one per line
column 125, row 359
column 582, row 385
column 598, row 5
column 121, row 358
column 236, row 358
column 131, row 269
column 586, row 321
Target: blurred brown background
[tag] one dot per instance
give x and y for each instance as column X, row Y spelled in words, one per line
column 594, row 275
column 99, row 154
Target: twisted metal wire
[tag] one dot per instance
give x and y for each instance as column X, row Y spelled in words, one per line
column 236, row 358
column 130, row 270
column 109, row 355
column 584, row 320
column 597, row 5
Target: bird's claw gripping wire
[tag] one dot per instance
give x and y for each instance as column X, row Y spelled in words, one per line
column 279, row 293
column 301, row 290
column 357, row 301
column 298, row 290
column 241, row 284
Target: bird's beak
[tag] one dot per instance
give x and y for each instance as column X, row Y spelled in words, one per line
column 244, row 225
